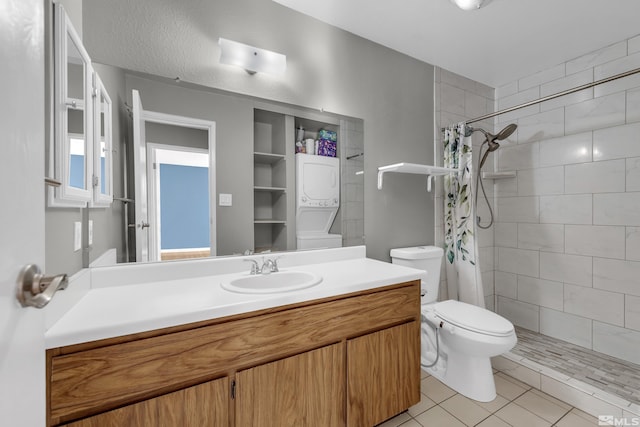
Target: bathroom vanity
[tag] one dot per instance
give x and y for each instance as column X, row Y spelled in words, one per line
column 345, row 352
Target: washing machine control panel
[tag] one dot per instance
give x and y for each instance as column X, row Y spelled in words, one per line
column 330, row 203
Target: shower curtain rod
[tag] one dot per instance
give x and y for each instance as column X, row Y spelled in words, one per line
column 555, row 95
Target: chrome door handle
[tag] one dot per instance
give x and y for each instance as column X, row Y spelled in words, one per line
column 36, row 290
column 144, row 225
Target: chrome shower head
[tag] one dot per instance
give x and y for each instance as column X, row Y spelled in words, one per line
column 491, row 139
column 503, row 134
column 506, row 132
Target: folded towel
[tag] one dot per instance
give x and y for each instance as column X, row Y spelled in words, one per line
column 328, row 135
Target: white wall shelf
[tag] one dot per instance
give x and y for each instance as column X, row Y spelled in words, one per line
column 413, row 168
column 267, row 158
column 271, row 189
column 498, row 175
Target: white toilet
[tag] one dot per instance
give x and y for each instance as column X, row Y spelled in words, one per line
column 466, row 336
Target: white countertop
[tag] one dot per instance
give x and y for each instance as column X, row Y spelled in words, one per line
column 108, row 311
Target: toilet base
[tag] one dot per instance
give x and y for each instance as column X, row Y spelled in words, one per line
column 470, row 376
column 464, row 362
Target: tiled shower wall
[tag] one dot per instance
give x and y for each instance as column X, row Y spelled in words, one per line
column 460, row 99
column 567, row 235
column 352, row 200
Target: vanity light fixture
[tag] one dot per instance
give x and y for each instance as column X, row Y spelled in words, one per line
column 468, row 4
column 252, row 59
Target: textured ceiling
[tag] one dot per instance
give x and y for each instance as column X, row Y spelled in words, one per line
column 497, row 44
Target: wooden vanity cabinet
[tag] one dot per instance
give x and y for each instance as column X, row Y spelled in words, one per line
column 383, row 374
column 351, row 360
column 302, row 390
column 201, row 405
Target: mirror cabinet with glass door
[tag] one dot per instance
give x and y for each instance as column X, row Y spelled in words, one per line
column 80, row 157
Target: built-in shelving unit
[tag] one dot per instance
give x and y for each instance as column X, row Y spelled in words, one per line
column 272, row 159
column 413, row 168
column 274, row 208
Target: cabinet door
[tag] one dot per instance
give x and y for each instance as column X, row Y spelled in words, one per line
column 198, row 406
column 383, row 374
column 72, row 148
column 302, row 390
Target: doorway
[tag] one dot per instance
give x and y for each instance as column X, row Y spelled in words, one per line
column 148, row 237
column 178, row 179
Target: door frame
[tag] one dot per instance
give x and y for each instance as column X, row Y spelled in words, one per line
column 153, row 193
column 140, row 171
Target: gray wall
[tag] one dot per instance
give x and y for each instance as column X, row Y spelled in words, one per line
column 158, row 133
column 108, row 223
column 327, row 68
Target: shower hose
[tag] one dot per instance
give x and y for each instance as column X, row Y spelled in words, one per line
column 484, row 193
column 436, row 329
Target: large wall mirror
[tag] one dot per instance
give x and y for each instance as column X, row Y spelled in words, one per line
column 233, row 202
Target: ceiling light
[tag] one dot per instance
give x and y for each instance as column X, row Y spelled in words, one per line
column 468, row 4
column 252, row 59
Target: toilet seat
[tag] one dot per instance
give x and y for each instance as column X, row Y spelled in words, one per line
column 473, row 318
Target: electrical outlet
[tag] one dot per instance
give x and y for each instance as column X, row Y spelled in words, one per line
column 77, row 236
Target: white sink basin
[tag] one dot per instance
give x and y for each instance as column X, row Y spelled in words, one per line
column 281, row 281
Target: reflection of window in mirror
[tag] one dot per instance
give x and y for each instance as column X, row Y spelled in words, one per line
column 77, row 149
column 103, row 160
column 77, row 160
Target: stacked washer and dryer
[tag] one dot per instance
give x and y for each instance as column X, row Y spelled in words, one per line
column 317, row 201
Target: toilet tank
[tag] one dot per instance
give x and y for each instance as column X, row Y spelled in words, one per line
column 427, row 258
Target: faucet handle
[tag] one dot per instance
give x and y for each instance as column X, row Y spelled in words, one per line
column 272, row 264
column 269, row 266
column 255, row 269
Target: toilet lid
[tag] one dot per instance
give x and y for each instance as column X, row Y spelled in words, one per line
column 473, row 318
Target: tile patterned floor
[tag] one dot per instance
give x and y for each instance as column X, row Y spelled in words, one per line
column 516, row 405
column 606, row 373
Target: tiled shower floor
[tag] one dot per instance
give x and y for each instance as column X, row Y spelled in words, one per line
column 604, row 372
column 521, row 405
column 516, row 405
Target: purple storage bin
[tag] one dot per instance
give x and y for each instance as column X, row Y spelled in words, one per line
column 327, row 148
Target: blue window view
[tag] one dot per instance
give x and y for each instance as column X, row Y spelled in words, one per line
column 76, row 162
column 103, row 189
column 184, row 207
column 76, row 171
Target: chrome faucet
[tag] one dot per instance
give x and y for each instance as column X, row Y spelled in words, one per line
column 270, row 265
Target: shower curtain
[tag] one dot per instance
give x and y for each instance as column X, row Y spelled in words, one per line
column 461, row 251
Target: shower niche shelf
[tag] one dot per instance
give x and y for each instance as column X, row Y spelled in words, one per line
column 413, row 168
column 499, row 175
